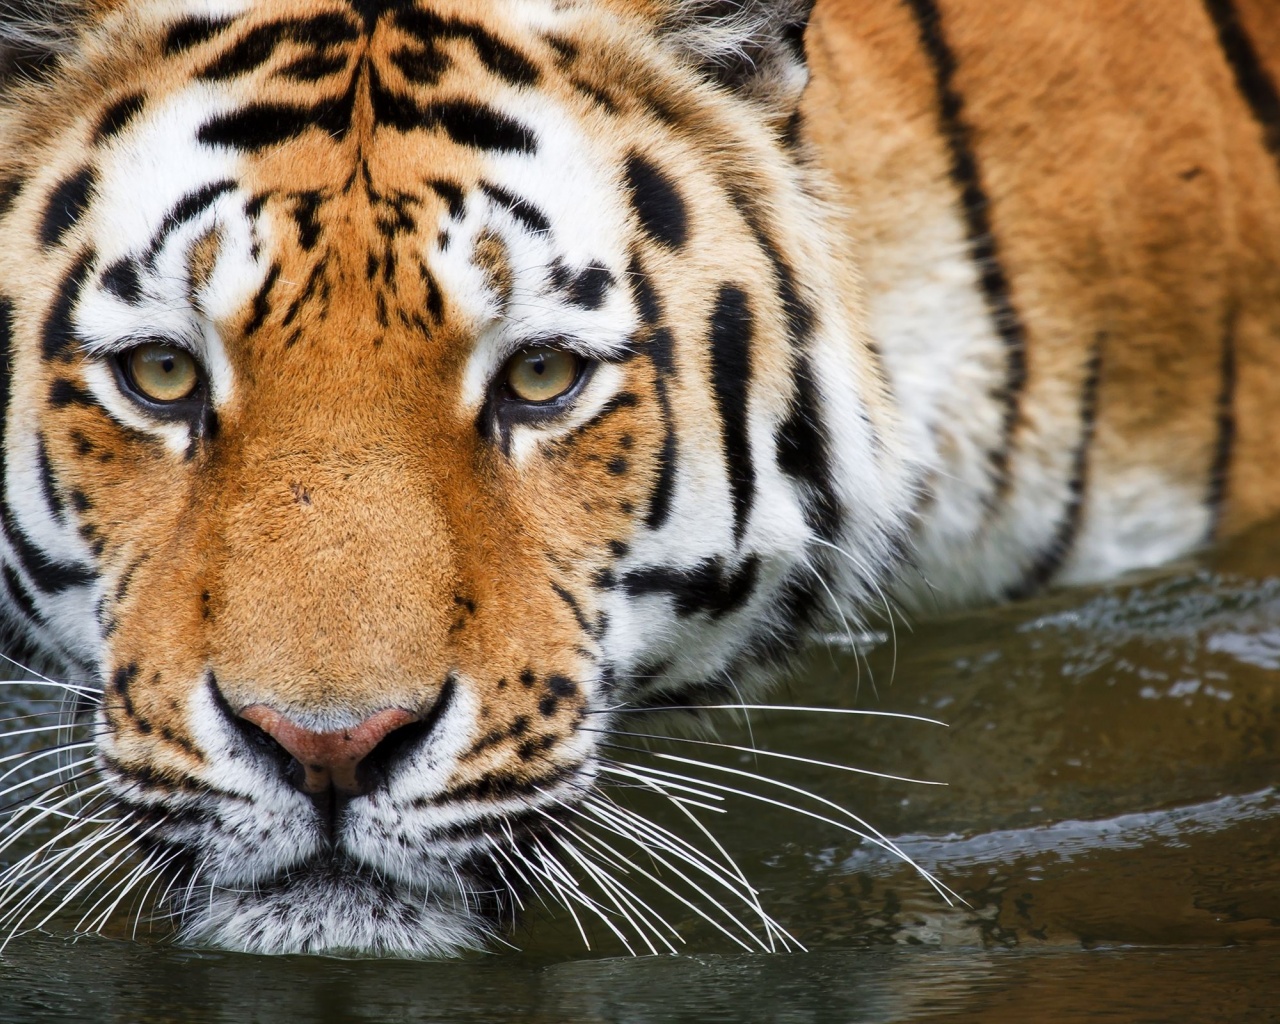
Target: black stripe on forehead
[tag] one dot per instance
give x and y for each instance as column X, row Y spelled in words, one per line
column 191, row 32
column 257, row 46
column 521, row 209
column 117, row 117
column 185, row 210
column 657, row 202
column 500, row 58
column 258, row 126
column 67, row 204
column 730, row 338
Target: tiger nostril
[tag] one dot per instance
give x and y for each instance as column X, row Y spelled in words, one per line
column 328, row 759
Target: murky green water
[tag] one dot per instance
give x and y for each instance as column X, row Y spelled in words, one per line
column 1111, row 818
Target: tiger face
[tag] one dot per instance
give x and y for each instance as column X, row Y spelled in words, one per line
column 398, row 391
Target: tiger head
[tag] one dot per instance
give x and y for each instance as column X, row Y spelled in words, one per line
column 397, row 393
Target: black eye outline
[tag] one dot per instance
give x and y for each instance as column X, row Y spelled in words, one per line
column 503, row 409
column 190, row 407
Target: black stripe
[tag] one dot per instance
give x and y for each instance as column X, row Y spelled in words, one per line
column 63, row 393
column 117, row 117
column 574, row 607
column 466, row 123
column 730, row 334
column 421, row 65
column 121, row 280
column 9, row 189
column 47, row 574
column 6, row 377
column 1051, row 558
column 1255, row 84
column 500, row 58
column 191, row 32
column 471, row 124
column 706, row 587
column 315, row 66
column 59, row 330
column 258, row 126
column 983, row 249
column 66, row 205
column 1219, row 469
column 521, row 209
column 660, row 348
column 257, row 46
column 184, row 210
column 590, row 287
column 451, row 194
column 261, row 307
column 19, row 594
column 657, row 201
column 48, row 484
column 804, row 453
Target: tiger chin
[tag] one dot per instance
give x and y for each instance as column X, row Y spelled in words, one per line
column 403, row 396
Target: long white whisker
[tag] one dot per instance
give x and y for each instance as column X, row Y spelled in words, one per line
column 765, row 753
column 672, row 892
column 769, row 707
column 651, row 836
column 871, row 835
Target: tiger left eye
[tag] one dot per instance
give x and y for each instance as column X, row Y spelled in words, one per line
column 163, row 373
column 541, row 374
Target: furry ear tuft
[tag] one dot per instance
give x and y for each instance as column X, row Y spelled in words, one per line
column 34, row 33
column 755, row 47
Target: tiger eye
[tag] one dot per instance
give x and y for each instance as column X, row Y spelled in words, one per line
column 163, row 373
column 541, row 374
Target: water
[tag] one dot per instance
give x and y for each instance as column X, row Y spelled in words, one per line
column 1111, row 819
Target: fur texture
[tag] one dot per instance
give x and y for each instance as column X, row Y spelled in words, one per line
column 957, row 321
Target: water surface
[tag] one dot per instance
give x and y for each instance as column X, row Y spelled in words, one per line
column 1110, row 819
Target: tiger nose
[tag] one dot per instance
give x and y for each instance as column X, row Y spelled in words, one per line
column 328, row 758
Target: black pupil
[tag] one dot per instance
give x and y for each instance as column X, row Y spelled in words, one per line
column 539, row 364
column 167, row 364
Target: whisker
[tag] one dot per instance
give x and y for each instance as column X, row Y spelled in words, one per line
column 648, row 833
column 765, row 753
column 672, row 892
column 872, row 835
column 768, row 707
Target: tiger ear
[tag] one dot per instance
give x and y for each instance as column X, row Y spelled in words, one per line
column 34, row 33
column 754, row 47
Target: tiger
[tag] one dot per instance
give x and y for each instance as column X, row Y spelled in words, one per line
column 399, row 394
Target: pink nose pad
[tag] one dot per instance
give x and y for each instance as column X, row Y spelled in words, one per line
column 328, row 758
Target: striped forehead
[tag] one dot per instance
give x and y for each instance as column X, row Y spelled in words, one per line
column 304, row 114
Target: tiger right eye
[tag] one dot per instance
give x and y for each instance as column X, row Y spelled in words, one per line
column 163, row 373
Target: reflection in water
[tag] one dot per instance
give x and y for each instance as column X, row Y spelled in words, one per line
column 1111, row 819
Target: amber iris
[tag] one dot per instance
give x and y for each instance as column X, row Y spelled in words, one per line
column 163, row 373
column 541, row 374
